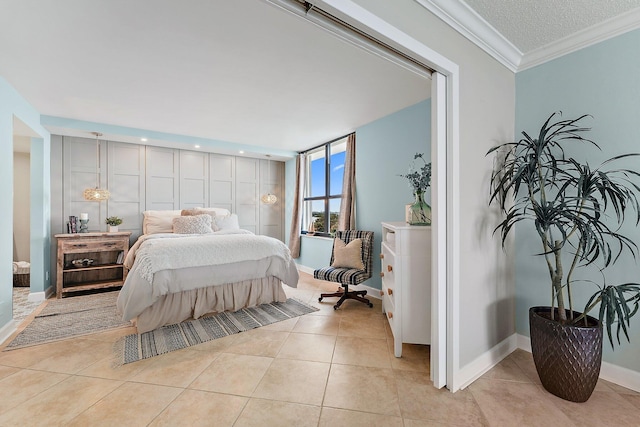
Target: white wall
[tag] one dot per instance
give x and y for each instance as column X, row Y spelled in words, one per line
column 21, row 206
column 487, row 105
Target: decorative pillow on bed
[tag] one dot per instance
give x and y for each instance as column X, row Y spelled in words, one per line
column 195, row 224
column 158, row 221
column 201, row 211
column 191, row 212
column 347, row 256
column 228, row 222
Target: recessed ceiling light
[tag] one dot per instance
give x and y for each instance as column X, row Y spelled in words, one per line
column 143, row 139
column 241, row 152
column 197, row 146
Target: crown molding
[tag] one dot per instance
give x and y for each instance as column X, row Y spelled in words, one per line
column 467, row 22
column 459, row 16
column 586, row 37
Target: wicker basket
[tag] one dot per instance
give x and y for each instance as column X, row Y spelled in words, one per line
column 21, row 276
column 21, row 280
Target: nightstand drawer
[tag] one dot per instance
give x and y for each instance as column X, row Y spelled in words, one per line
column 89, row 246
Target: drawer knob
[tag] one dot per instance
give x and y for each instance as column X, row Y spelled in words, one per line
column 381, row 293
column 382, row 274
column 389, row 315
column 381, row 256
column 390, row 291
column 389, row 268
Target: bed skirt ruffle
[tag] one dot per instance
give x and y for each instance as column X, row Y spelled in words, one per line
column 193, row 304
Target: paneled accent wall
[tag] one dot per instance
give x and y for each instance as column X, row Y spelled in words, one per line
column 162, row 178
column 247, row 195
column 126, row 182
column 194, row 179
column 272, row 181
column 222, row 181
column 80, row 171
column 143, row 178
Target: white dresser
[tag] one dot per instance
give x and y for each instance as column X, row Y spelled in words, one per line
column 406, row 282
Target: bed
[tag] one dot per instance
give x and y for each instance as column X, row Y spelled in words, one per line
column 178, row 273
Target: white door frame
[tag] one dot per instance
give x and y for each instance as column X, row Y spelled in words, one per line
column 445, row 153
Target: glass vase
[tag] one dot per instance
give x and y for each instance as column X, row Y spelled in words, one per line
column 420, row 211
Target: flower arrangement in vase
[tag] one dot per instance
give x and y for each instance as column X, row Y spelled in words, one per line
column 419, row 180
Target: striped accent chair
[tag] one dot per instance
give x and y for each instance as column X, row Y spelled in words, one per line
column 346, row 276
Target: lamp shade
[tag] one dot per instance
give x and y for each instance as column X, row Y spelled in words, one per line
column 269, row 199
column 96, row 194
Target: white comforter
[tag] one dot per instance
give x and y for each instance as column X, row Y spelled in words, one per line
column 169, row 263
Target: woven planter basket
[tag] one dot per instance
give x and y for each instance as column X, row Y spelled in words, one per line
column 567, row 357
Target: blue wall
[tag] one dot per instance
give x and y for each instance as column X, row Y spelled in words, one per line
column 384, row 149
column 601, row 80
column 12, row 105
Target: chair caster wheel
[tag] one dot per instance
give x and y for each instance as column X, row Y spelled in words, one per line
column 370, row 305
column 320, row 299
column 335, row 307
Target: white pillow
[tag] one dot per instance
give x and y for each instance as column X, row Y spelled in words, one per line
column 347, row 256
column 194, row 224
column 228, row 222
column 162, row 221
column 216, row 211
column 158, row 221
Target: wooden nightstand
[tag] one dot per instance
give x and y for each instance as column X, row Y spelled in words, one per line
column 106, row 251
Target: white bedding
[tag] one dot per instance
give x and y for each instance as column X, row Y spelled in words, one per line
column 162, row 264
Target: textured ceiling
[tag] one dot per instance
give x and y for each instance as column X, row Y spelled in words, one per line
column 530, row 24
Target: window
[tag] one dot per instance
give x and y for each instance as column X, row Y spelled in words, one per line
column 323, row 188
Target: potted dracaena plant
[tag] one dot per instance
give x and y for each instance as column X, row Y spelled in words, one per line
column 576, row 212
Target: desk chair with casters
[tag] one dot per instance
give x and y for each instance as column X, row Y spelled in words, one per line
column 346, row 267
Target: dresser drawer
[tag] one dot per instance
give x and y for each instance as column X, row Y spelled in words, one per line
column 388, row 307
column 388, row 265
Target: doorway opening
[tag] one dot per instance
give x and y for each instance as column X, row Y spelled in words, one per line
column 23, row 305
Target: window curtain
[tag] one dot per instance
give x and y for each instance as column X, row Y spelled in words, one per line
column 347, row 219
column 296, row 216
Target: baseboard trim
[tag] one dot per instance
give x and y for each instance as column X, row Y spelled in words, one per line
column 608, row 371
column 305, row 269
column 7, row 330
column 371, row 292
column 482, row 364
column 37, row 296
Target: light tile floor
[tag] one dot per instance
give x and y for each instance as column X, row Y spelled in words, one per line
column 330, row 368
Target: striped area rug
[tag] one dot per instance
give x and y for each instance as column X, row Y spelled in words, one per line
column 132, row 348
column 71, row 317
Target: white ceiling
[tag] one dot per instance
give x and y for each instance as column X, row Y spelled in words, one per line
column 246, row 71
column 242, row 71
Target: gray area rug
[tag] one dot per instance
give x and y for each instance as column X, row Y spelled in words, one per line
column 71, row 317
column 175, row 337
